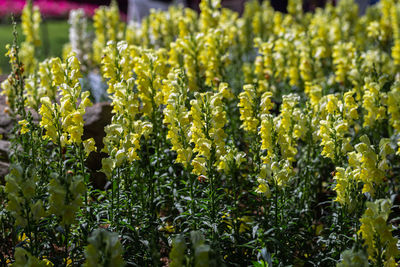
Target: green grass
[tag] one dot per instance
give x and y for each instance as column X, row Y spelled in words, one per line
column 54, row 35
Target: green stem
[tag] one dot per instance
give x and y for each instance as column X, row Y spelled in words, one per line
column 112, row 200
column 236, row 193
column 117, row 211
column 192, row 203
column 67, row 232
column 276, row 206
column 86, row 180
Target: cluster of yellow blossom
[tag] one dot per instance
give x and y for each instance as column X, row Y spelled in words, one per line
column 371, row 165
column 343, row 56
column 332, row 76
column 207, row 131
column 108, row 27
column 254, row 102
column 30, row 21
column 333, row 130
column 63, row 121
column 373, row 103
column 11, row 86
column 394, row 109
column 151, row 69
column 21, row 188
column 104, row 246
column 40, row 85
column 346, row 184
column 66, row 197
column 381, row 245
column 232, row 160
column 366, row 166
column 278, row 137
column 62, row 117
column 185, row 53
column 136, row 102
column 117, row 63
column 176, row 115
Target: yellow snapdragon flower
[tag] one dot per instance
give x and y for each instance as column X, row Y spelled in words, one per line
column 151, row 69
column 30, row 21
column 277, row 166
column 190, row 49
column 334, row 128
column 66, row 211
column 232, row 159
column 117, row 63
column 210, row 13
column 49, row 119
column 372, row 165
column 332, row 132
column 314, row 92
column 346, row 187
column 89, row 146
column 21, row 192
column 372, row 100
column 290, row 125
column 376, row 232
column 108, row 27
column 63, row 121
column 254, row 102
column 122, row 140
column 207, row 133
column 214, row 56
column 24, row 128
column 176, row 115
column 343, row 58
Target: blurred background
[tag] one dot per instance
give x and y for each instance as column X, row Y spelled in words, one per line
column 55, row 17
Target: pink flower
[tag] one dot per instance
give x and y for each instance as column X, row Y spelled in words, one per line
column 48, row 8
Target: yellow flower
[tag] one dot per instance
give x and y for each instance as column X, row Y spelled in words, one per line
column 151, row 69
column 377, row 233
column 108, row 166
column 23, row 238
column 108, row 27
column 209, row 14
column 232, row 158
column 66, row 211
column 57, row 70
column 346, row 184
column 343, row 59
column 89, row 146
column 254, row 102
column 199, row 166
column 30, row 21
column 369, row 166
column 371, row 104
column 48, row 119
column 177, row 116
column 207, row 134
column 24, row 126
column 333, row 132
column 267, row 133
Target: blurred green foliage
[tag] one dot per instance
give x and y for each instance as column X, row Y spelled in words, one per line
column 54, row 36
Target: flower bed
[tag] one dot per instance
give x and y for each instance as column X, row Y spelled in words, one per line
column 268, row 139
